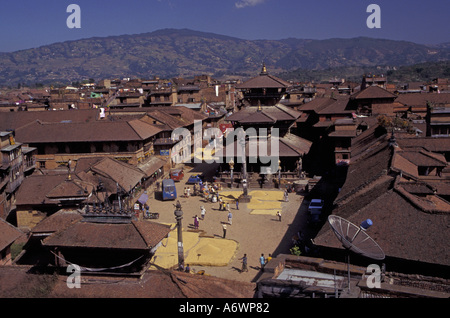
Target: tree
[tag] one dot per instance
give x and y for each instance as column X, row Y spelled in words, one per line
column 295, row 250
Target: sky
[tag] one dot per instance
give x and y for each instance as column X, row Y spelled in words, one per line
column 32, row 23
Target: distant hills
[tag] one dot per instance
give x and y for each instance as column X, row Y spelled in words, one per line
column 185, row 53
column 421, row 72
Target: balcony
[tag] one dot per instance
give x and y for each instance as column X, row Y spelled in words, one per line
column 29, row 164
column 13, row 185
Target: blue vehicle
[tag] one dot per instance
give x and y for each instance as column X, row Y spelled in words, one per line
column 169, row 192
column 195, row 179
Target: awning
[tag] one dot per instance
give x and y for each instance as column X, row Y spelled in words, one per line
column 150, row 166
column 143, row 198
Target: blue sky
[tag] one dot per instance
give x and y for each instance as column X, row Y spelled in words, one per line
column 33, row 23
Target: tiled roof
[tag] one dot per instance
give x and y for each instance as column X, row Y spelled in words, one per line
column 34, row 189
column 127, row 176
column 373, row 92
column 57, row 221
column 256, row 117
column 424, row 158
column 288, row 146
column 301, row 145
column 50, row 189
column 149, row 167
column 15, row 120
column 401, row 229
column 8, row 234
column 264, row 81
column 429, row 143
column 337, row 107
column 407, row 214
column 267, row 114
column 70, row 189
column 317, row 104
column 38, row 132
column 421, row 99
column 143, row 129
column 343, row 133
column 153, row 284
column 400, row 163
column 139, row 235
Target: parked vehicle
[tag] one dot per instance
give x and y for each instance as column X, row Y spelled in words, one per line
column 315, row 206
column 315, row 210
column 169, row 191
column 198, row 178
column 176, row 174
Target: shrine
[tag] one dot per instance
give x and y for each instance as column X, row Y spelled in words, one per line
column 261, row 110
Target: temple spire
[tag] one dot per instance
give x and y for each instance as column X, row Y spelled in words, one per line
column 264, row 69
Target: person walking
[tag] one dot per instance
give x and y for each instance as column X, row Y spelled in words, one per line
column 228, row 206
column 220, row 204
column 202, row 212
column 230, row 217
column 262, row 261
column 196, row 222
column 286, row 196
column 279, row 215
column 237, row 204
column 244, row 263
column 224, row 227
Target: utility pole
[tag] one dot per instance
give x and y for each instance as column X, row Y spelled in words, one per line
column 179, row 216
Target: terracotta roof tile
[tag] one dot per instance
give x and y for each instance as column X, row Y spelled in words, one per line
column 8, row 234
column 38, row 132
column 401, row 229
column 126, row 175
column 373, row 92
column 109, row 235
column 34, row 189
column 264, row 81
column 57, row 221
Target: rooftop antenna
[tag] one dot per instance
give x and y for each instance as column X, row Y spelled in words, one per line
column 354, row 238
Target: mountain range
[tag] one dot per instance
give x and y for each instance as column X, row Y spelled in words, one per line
column 185, row 53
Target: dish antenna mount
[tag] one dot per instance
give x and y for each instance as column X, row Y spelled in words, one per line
column 354, row 238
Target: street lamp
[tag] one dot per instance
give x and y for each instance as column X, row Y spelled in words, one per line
column 244, row 196
column 279, row 174
column 179, row 216
column 231, row 163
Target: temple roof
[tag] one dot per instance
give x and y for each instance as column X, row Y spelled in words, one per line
column 264, row 114
column 132, row 235
column 264, row 80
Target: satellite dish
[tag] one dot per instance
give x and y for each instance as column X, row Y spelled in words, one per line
column 354, row 238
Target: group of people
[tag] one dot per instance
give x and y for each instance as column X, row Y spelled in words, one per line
column 204, row 189
column 208, row 191
column 187, row 192
column 262, row 261
column 225, row 206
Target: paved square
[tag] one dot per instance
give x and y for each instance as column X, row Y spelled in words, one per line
column 255, row 229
